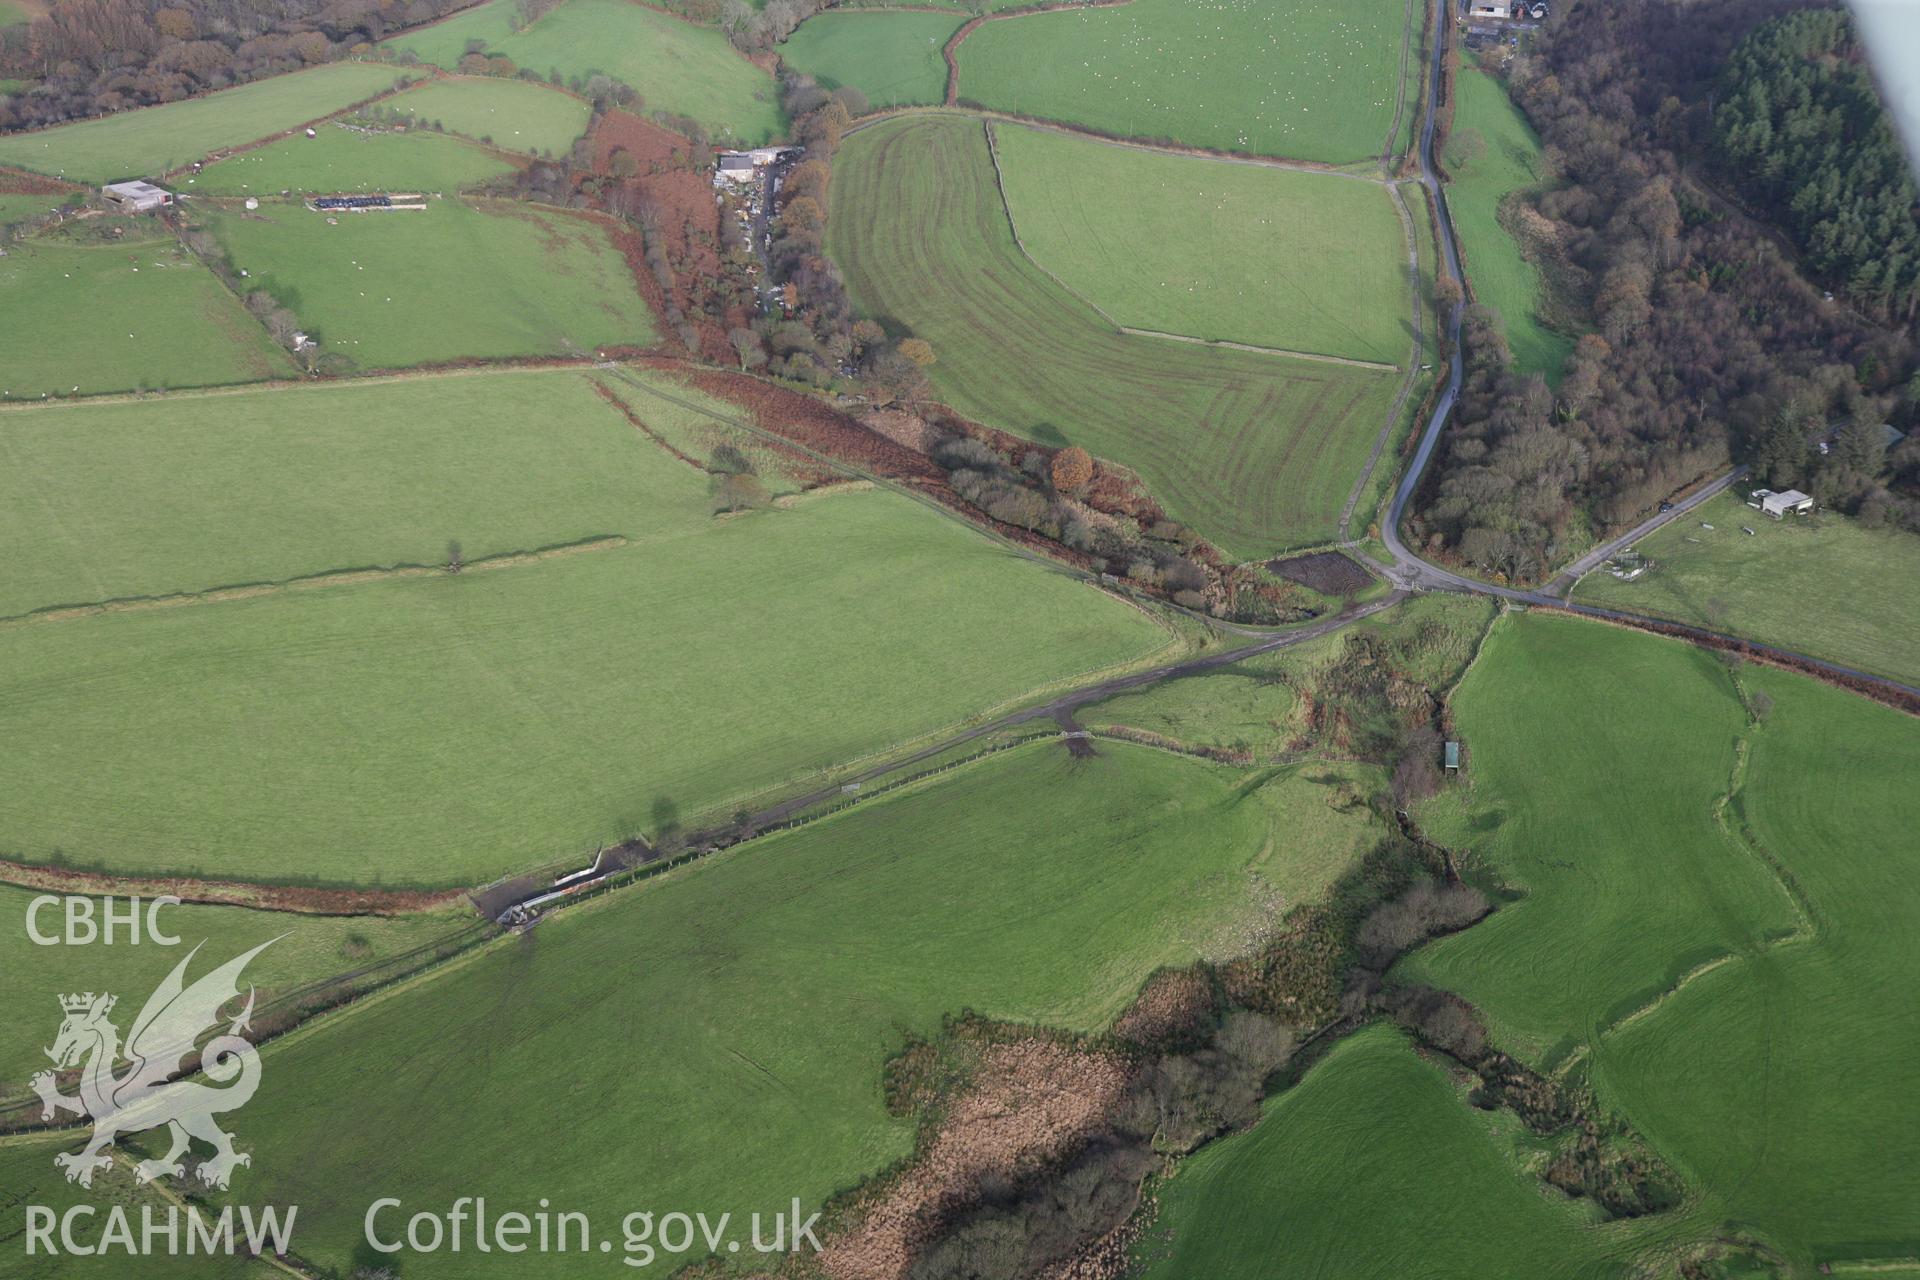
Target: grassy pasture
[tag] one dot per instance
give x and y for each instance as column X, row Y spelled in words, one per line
column 1792, row 1042
column 1240, row 253
column 1595, row 796
column 113, row 317
column 1806, row 1047
column 960, row 7
column 676, row 66
column 1372, row 1166
column 893, row 58
column 18, row 208
column 1484, row 175
column 1821, row 584
column 155, row 139
column 307, row 949
column 338, row 477
column 12, row 15
column 730, row 1022
column 343, row 160
column 511, row 716
column 458, row 281
column 28, row 1173
column 1255, row 705
column 514, row 114
column 1269, row 77
column 1256, row 451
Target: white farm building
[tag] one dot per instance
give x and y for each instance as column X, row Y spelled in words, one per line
column 1791, row 502
column 135, row 197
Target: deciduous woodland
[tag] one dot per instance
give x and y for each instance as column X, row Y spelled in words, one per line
column 91, row 57
column 1705, row 338
column 980, row 674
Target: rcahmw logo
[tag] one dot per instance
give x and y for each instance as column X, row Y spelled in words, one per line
column 159, row 1044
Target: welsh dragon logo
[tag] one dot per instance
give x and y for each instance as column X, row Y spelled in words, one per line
column 141, row 1097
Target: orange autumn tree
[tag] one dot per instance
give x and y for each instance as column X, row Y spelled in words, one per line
column 1072, row 468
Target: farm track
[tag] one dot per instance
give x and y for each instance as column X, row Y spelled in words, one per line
column 1414, row 360
column 1407, row 36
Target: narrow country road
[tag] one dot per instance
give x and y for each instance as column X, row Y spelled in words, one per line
column 1563, row 583
column 1410, row 573
column 1063, row 708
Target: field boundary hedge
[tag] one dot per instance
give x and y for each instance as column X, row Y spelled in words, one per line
column 1168, row 146
column 241, row 148
column 227, row 592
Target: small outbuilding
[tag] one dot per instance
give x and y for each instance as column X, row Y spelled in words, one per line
column 1789, row 502
column 1453, row 757
column 135, row 197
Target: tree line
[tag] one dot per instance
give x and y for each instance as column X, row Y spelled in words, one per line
column 1702, row 334
column 1802, row 131
column 90, row 57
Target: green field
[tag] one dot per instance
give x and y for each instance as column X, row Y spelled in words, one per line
column 893, row 58
column 28, row 1173
column 457, row 281
column 510, row 716
column 1257, row 452
column 1730, row 988
column 18, row 208
column 339, row 477
column 1226, row 252
column 1507, row 160
column 306, row 949
column 345, row 160
column 114, row 317
column 513, row 114
column 1806, row 1047
column 1283, row 78
column 150, row 141
column 12, row 15
column 1372, row 1166
column 675, row 65
column 1819, row 584
column 962, row 7
column 723, row 1031
column 1256, row 705
column 1609, row 830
